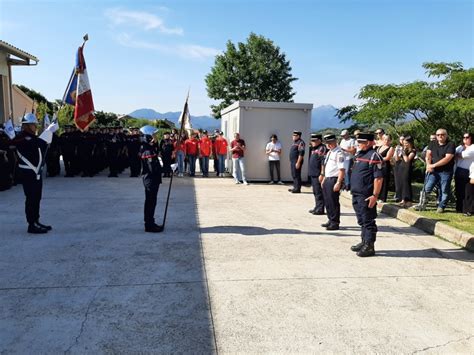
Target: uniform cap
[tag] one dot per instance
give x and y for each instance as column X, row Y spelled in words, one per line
column 297, row 133
column 148, row 130
column 344, row 132
column 29, row 118
column 364, row 137
column 315, row 136
column 329, row 137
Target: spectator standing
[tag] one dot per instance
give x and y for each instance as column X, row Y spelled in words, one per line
column 386, row 151
column 273, row 151
column 221, row 152
column 397, row 158
column 348, row 146
column 439, row 169
column 464, row 160
column 379, row 133
column 192, row 148
column 406, row 171
column 205, row 150
column 180, row 153
column 237, row 147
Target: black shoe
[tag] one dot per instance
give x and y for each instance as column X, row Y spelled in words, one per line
column 295, row 191
column 154, row 228
column 319, row 213
column 325, row 225
column 366, row 250
column 36, row 229
column 48, row 228
column 290, row 190
column 332, row 227
column 357, row 247
column 313, row 211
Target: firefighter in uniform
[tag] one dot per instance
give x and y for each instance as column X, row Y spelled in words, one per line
column 366, row 183
column 31, row 152
column 331, row 181
column 151, row 172
column 317, row 154
column 297, row 151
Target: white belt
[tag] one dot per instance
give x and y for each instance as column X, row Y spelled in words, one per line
column 30, row 166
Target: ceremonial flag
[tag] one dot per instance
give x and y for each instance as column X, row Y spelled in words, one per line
column 79, row 93
column 9, row 130
column 187, row 118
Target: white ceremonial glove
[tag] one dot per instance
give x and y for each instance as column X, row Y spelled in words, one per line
column 53, row 127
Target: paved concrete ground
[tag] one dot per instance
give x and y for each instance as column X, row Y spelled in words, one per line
column 239, row 269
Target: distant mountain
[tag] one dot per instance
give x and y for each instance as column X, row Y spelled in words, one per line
column 325, row 117
column 321, row 117
column 204, row 122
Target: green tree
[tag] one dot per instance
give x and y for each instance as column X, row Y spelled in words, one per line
column 106, row 119
column 420, row 107
column 256, row 70
column 36, row 96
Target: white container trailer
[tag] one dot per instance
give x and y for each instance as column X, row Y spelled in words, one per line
column 256, row 121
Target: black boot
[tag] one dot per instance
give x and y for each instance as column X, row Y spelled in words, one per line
column 366, row 250
column 357, row 247
column 36, row 229
column 154, row 228
column 313, row 211
column 48, row 228
column 332, row 227
column 325, row 225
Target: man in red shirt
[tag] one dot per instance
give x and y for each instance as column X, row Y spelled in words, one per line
column 205, row 149
column 237, row 147
column 192, row 148
column 221, row 152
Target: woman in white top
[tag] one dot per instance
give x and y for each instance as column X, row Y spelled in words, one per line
column 464, row 163
column 273, row 150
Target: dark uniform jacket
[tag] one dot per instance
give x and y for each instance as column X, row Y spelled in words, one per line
column 151, row 166
column 297, row 148
column 316, row 159
column 30, row 150
column 367, row 166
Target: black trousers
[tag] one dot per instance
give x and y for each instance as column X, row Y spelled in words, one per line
column 33, row 190
column 274, row 165
column 461, row 179
column 318, row 194
column 365, row 218
column 151, row 195
column 296, row 175
column 468, row 204
column 331, row 201
column 135, row 165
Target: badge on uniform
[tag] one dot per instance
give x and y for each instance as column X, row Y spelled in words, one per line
column 341, row 159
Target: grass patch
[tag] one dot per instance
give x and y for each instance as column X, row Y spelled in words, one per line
column 449, row 217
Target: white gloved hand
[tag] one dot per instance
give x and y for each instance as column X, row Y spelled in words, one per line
column 53, row 127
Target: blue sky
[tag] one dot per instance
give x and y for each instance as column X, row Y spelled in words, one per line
column 147, row 53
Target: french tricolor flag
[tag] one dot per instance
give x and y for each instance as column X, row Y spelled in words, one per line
column 79, row 94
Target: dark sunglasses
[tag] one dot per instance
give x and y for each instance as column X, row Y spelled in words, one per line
column 466, row 137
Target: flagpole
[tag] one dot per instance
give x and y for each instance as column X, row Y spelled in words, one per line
column 185, row 110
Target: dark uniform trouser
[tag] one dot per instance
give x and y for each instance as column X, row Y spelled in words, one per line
column 365, row 217
column 296, row 175
column 33, row 190
column 461, row 178
column 331, row 201
column 318, row 194
column 151, row 193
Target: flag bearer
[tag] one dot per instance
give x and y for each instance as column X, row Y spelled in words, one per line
column 151, row 173
column 366, row 183
column 31, row 153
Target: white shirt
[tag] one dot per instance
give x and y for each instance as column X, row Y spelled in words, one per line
column 467, row 157
column 273, row 146
column 334, row 162
column 348, row 144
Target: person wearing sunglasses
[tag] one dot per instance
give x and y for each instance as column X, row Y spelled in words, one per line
column 439, row 169
column 464, row 161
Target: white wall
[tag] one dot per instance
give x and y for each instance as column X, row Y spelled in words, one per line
column 256, row 122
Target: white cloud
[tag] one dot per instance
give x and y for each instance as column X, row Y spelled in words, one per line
column 144, row 20
column 183, row 50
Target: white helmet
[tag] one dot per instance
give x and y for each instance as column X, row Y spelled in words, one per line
column 148, row 130
column 29, row 118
